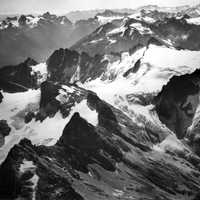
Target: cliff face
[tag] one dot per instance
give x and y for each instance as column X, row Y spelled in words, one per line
column 18, row 78
column 178, row 107
column 67, row 66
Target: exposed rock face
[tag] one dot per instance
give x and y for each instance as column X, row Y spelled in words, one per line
column 182, row 34
column 92, row 148
column 48, row 103
column 22, row 20
column 66, row 66
column 4, row 131
column 1, row 97
column 54, row 98
column 177, row 102
column 18, row 78
column 4, row 128
column 63, row 61
column 48, row 92
column 17, row 176
column 178, row 107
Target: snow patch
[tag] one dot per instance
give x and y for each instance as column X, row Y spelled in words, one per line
column 32, row 21
column 95, row 41
column 104, row 20
column 46, row 132
column 63, row 94
column 119, row 67
column 26, row 166
column 136, row 16
column 172, row 58
column 118, row 30
column 76, row 75
column 149, row 20
column 29, row 166
column 40, row 71
column 112, row 41
column 140, row 28
column 50, row 130
column 15, row 102
column 195, row 21
column 170, row 143
column 118, row 193
column 85, row 112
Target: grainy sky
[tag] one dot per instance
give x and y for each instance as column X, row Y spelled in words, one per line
column 64, row 6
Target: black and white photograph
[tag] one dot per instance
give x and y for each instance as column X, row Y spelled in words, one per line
column 99, row 100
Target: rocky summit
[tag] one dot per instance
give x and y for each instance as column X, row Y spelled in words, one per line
column 108, row 109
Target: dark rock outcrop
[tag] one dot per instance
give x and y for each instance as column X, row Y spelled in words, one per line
column 4, row 131
column 182, row 34
column 29, row 116
column 1, row 97
column 89, row 145
column 62, row 64
column 49, row 91
column 18, row 78
column 176, row 104
column 53, row 182
column 66, row 66
column 4, row 128
column 22, row 20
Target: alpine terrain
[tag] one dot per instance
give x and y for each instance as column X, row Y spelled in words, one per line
column 103, row 108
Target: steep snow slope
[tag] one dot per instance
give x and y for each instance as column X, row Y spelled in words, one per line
column 195, row 20
column 157, row 65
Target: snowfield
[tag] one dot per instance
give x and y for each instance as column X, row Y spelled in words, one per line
column 104, row 20
column 40, row 71
column 14, row 108
column 158, row 65
column 195, row 21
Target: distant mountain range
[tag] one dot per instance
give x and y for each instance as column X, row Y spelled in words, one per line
column 37, row 37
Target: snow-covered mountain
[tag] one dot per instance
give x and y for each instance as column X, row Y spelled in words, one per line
column 124, row 33
column 38, row 36
column 116, row 116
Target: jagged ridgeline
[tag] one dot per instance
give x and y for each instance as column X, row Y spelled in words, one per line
column 108, row 110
